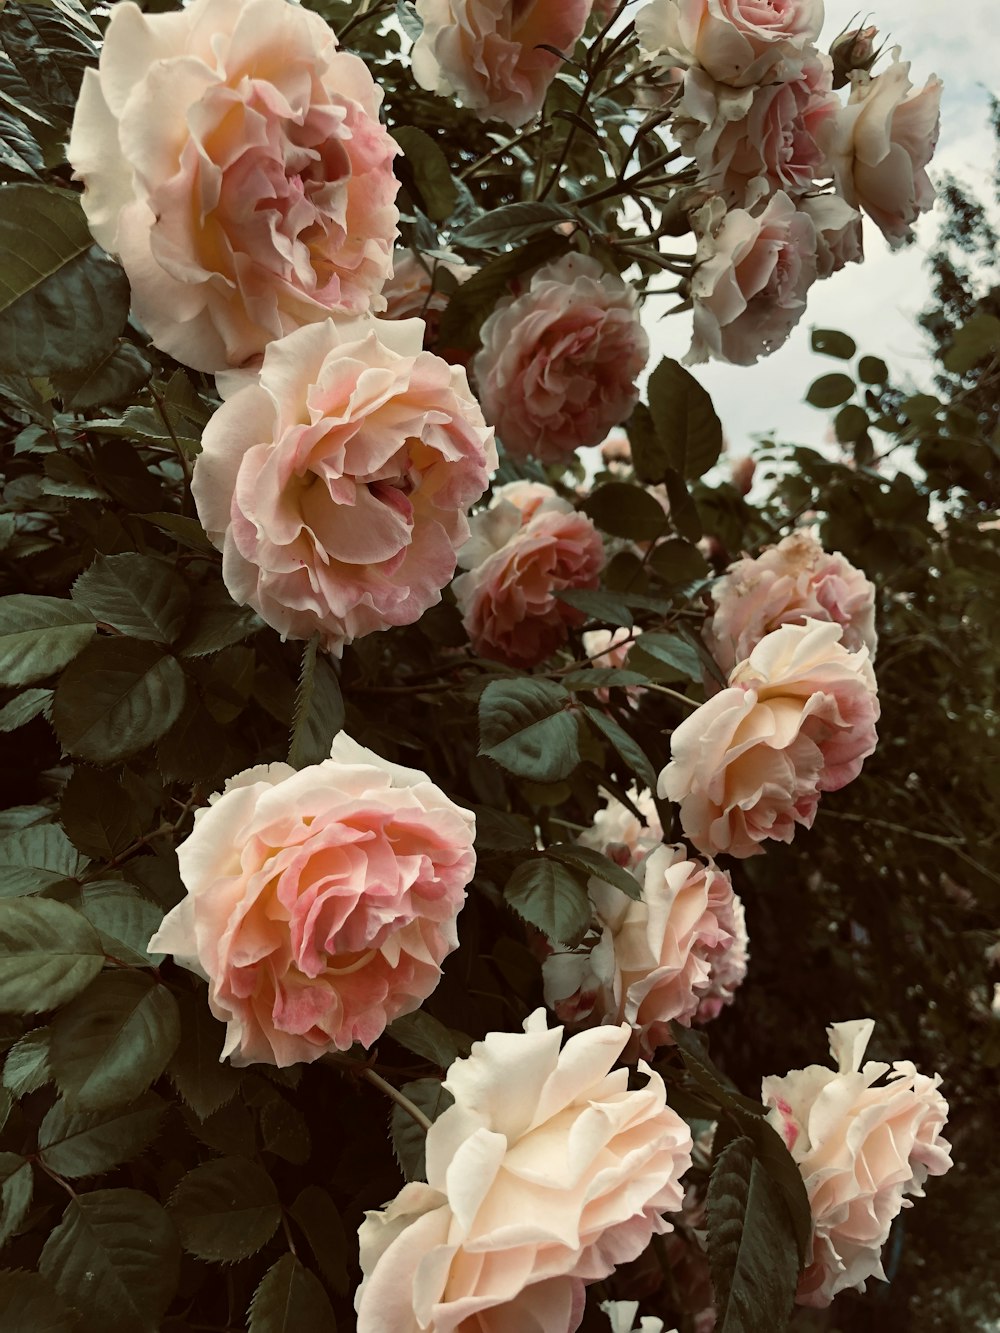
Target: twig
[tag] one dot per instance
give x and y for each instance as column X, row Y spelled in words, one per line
column 414, row 1112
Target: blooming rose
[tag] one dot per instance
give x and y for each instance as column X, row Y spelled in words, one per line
column 607, row 650
column 785, row 585
column 420, row 286
column 839, row 239
column 880, row 143
column 798, row 719
column 654, row 960
column 862, row 1145
column 527, row 546
column 737, row 41
column 749, row 286
column 558, row 364
column 234, row 160
column 618, row 833
column 336, row 483
column 320, row 903
column 487, row 52
column 545, row 1174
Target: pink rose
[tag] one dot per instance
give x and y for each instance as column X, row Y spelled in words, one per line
column 558, row 364
column 655, row 957
column 517, row 559
column 880, row 143
column 487, row 52
column 862, row 1146
column 234, row 160
column 320, row 903
column 545, row 1174
column 729, row 967
column 751, row 278
column 737, row 41
column 618, row 833
column 839, row 239
column 336, row 483
column 420, row 287
column 607, row 650
column 785, row 585
column 798, row 719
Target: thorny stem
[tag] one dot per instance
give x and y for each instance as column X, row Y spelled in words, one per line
column 414, row 1112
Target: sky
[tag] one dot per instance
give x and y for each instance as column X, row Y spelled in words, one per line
column 877, row 302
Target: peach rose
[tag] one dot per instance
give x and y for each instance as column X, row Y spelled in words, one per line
column 655, row 957
column 558, row 364
column 487, row 52
column 785, row 585
column 798, row 719
column 839, row 238
column 737, row 41
column 619, row 834
column 234, row 160
column 880, row 143
column 527, row 546
column 751, row 278
column 420, row 286
column 863, row 1146
column 320, row 903
column 545, row 1174
column 336, row 483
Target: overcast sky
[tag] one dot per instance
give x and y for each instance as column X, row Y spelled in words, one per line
column 877, row 302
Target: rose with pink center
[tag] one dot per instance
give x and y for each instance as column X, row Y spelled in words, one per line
column 739, row 42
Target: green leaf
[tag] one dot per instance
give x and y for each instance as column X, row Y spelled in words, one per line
column 98, row 816
column 225, row 1210
column 319, row 709
column 673, row 651
column 136, row 594
column 872, row 370
column 84, row 1143
column 215, row 622
column 469, row 306
column 596, row 604
column 603, row 678
column 850, row 423
column 408, row 1138
column 650, row 458
column 677, row 562
column 119, row 696
column 124, row 918
column 114, row 1041
column 525, row 727
column 63, row 301
column 114, row 1256
column 283, row 1128
column 498, row 831
column 196, row 1070
column 26, row 1068
column 978, row 338
column 430, row 171
column 751, row 1248
column 624, row 510
column 551, row 897
column 24, row 708
column 683, row 510
column 831, row 342
column 317, row 1216
column 39, row 636
column 115, row 378
column 16, row 1188
column 629, row 750
column 48, row 954
column 35, row 858
column 594, row 863
column 686, row 423
column 830, row 390
column 187, row 531
column 422, row 1034
column 512, row 223
column 29, row 1305
column 290, row 1299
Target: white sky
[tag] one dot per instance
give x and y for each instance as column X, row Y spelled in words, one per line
column 877, row 302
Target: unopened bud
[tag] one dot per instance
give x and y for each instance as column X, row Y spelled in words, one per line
column 853, row 50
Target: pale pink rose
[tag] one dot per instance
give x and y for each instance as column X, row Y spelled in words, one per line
column 750, row 281
column 880, row 143
column 863, row 1145
column 336, row 482
column 558, row 364
column 798, row 719
column 785, row 585
column 487, row 52
column 750, row 142
column 654, row 959
column 729, row 968
column 738, row 42
column 618, row 833
column 545, row 1174
column 608, row 650
column 839, row 238
column 320, row 903
column 420, row 287
column 517, row 559
column 233, row 159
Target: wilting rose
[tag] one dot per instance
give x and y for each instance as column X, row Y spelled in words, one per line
column 785, row 585
column 736, row 41
column 798, row 719
column 880, row 143
column 234, row 160
column 420, row 288
column 839, row 238
column 320, row 903
column 336, row 483
column 654, row 960
column 863, row 1145
column 545, row 1174
column 488, row 53
column 527, row 546
column 751, row 278
column 558, row 364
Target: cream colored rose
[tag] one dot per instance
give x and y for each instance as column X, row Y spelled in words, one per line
column 233, row 159
column 739, row 42
column 839, row 239
column 545, row 1174
column 785, row 585
column 488, row 52
column 865, row 1138
column 797, row 719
